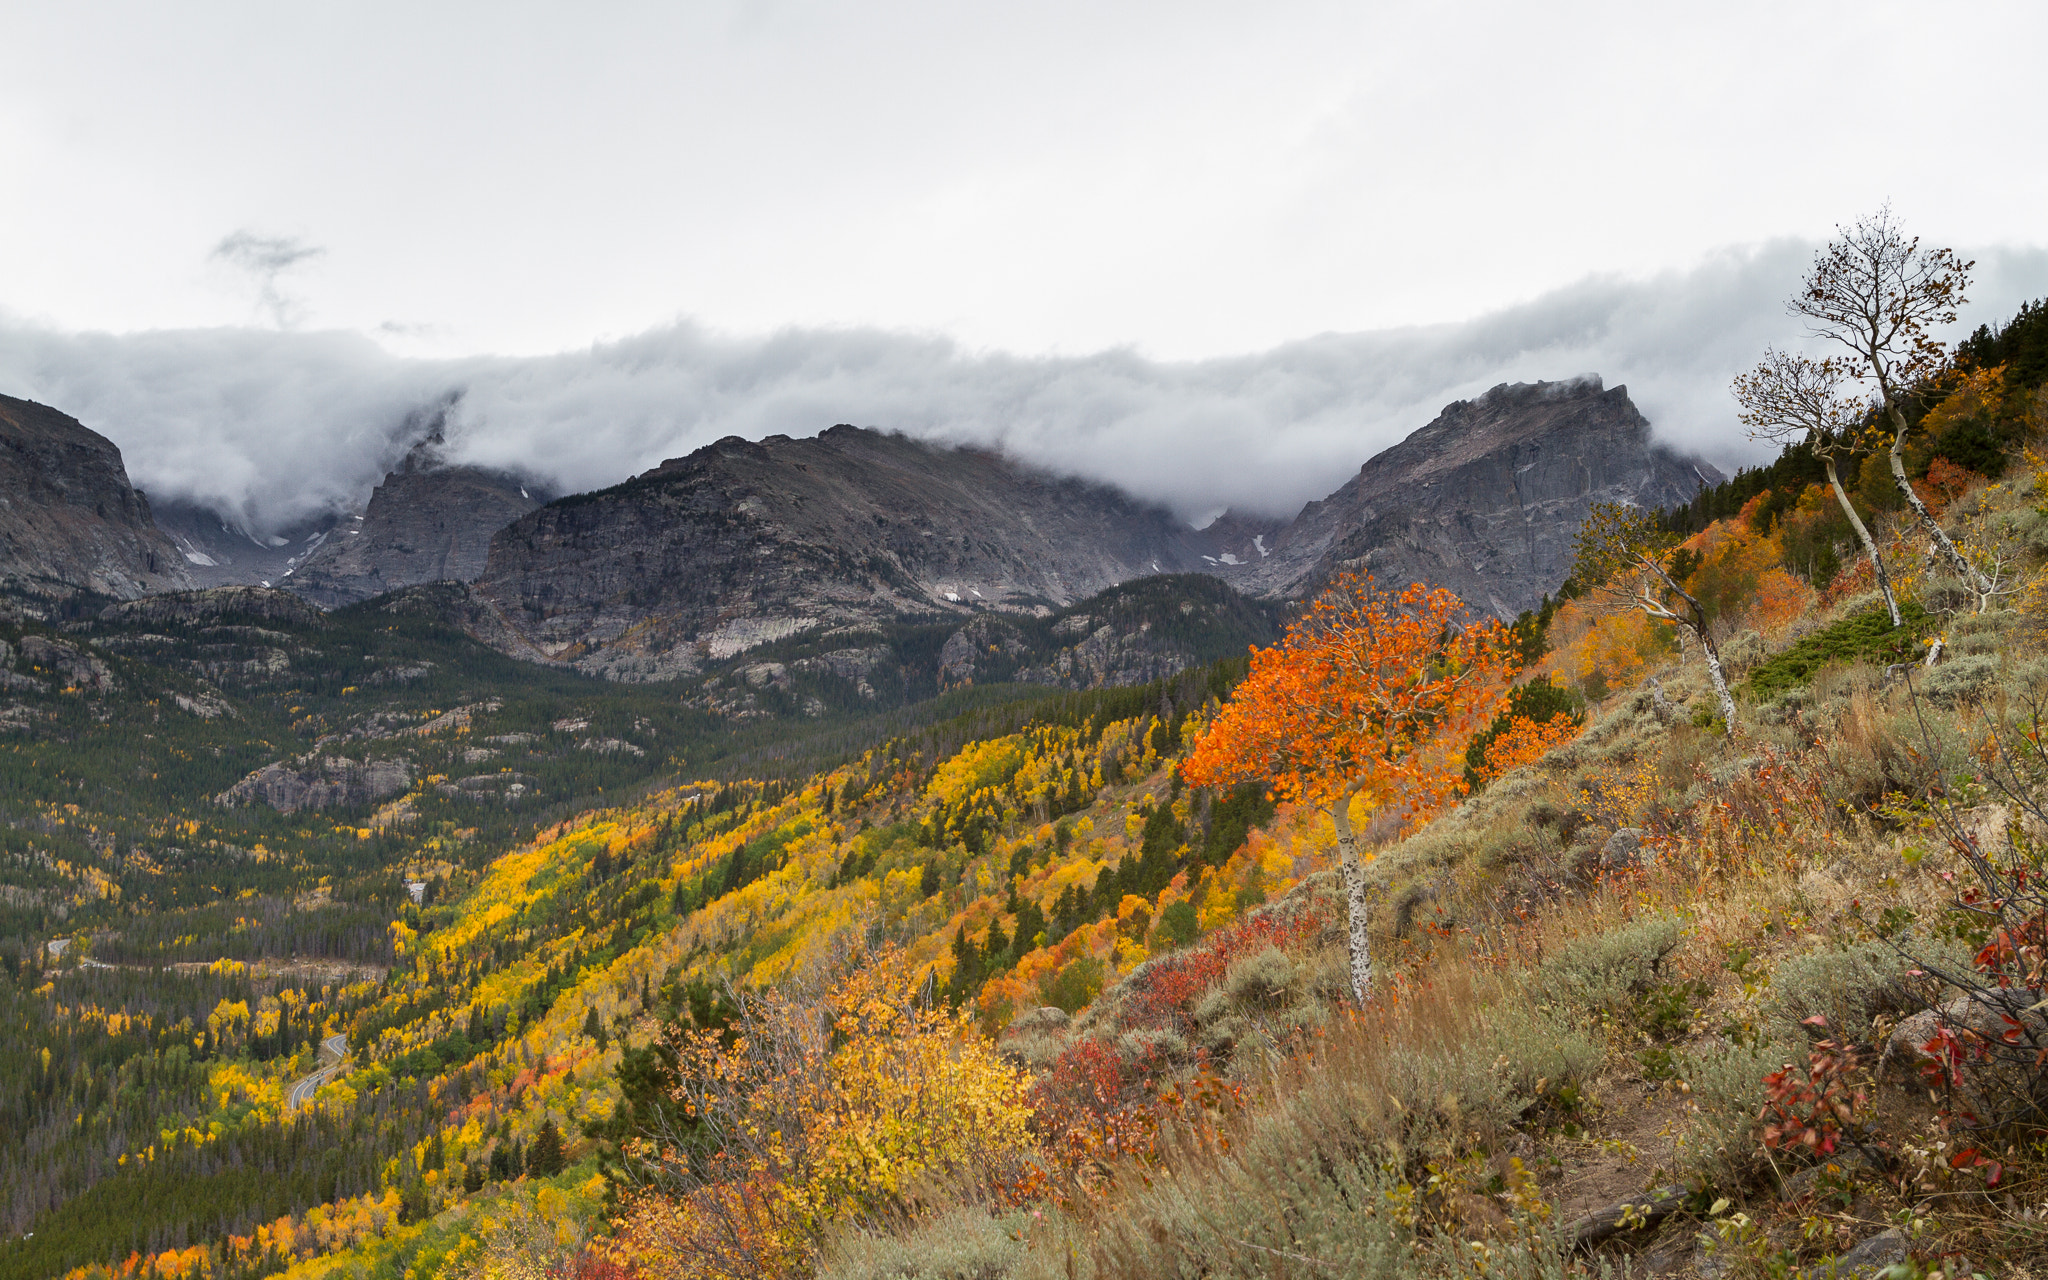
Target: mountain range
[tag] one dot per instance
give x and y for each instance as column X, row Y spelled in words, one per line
column 743, row 544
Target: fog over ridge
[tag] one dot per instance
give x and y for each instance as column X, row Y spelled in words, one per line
column 273, row 428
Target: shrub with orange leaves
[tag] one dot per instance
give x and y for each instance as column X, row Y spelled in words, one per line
column 1371, row 696
column 1525, row 742
column 1945, row 483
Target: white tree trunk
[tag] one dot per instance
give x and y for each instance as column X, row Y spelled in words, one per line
column 1720, row 678
column 1695, row 621
column 1884, row 582
column 1354, row 892
column 1964, row 569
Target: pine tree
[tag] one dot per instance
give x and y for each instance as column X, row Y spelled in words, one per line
column 545, row 1158
column 1030, row 924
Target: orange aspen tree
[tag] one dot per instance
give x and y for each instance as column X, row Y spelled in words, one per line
column 1370, row 693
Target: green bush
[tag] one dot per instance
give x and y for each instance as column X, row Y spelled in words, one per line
column 1725, row 1092
column 1075, row 986
column 1609, row 973
column 1261, row 979
column 1852, row 985
column 1540, row 1053
column 1177, row 926
column 1960, row 680
column 1869, row 637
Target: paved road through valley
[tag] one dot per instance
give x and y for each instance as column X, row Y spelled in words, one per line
column 303, row 1090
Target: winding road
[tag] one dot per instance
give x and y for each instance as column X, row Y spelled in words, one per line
column 303, row 1090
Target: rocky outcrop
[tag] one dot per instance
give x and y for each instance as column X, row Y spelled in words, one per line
column 73, row 666
column 427, row 522
column 744, row 543
column 12, row 681
column 1146, row 631
column 319, row 782
column 215, row 604
column 1485, row 500
column 69, row 519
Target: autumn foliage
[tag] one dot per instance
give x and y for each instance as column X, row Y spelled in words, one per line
column 814, row 1111
column 1525, row 742
column 1371, row 694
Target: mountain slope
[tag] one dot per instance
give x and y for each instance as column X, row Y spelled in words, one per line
column 69, row 519
column 425, row 523
column 1484, row 500
column 742, row 543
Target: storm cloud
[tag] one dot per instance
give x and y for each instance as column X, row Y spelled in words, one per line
column 272, row 428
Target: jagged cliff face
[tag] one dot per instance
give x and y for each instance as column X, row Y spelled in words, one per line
column 1485, row 500
column 69, row 519
column 319, row 782
column 741, row 543
column 425, row 523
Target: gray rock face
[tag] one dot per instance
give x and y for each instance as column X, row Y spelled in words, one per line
column 319, row 782
column 425, row 523
column 1981, row 1018
column 69, row 519
column 10, row 680
column 1485, row 500
column 740, row 544
column 74, row 667
column 190, row 608
column 1873, row 1254
column 1099, row 653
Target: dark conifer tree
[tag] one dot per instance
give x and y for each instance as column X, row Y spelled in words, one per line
column 545, row 1158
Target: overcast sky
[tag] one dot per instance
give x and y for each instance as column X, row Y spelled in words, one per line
column 1083, row 229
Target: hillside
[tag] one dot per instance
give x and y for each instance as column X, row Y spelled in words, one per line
column 958, row 976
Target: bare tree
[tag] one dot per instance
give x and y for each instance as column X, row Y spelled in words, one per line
column 1874, row 291
column 1623, row 555
column 1791, row 397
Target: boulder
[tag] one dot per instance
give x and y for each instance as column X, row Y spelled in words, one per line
column 1984, row 1013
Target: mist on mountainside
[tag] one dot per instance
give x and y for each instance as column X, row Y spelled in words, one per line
column 272, row 429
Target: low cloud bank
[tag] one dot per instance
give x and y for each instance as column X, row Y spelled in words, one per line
column 273, row 428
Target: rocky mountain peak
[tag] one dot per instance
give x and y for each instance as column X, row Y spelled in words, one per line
column 1484, row 499
column 743, row 542
column 70, row 520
